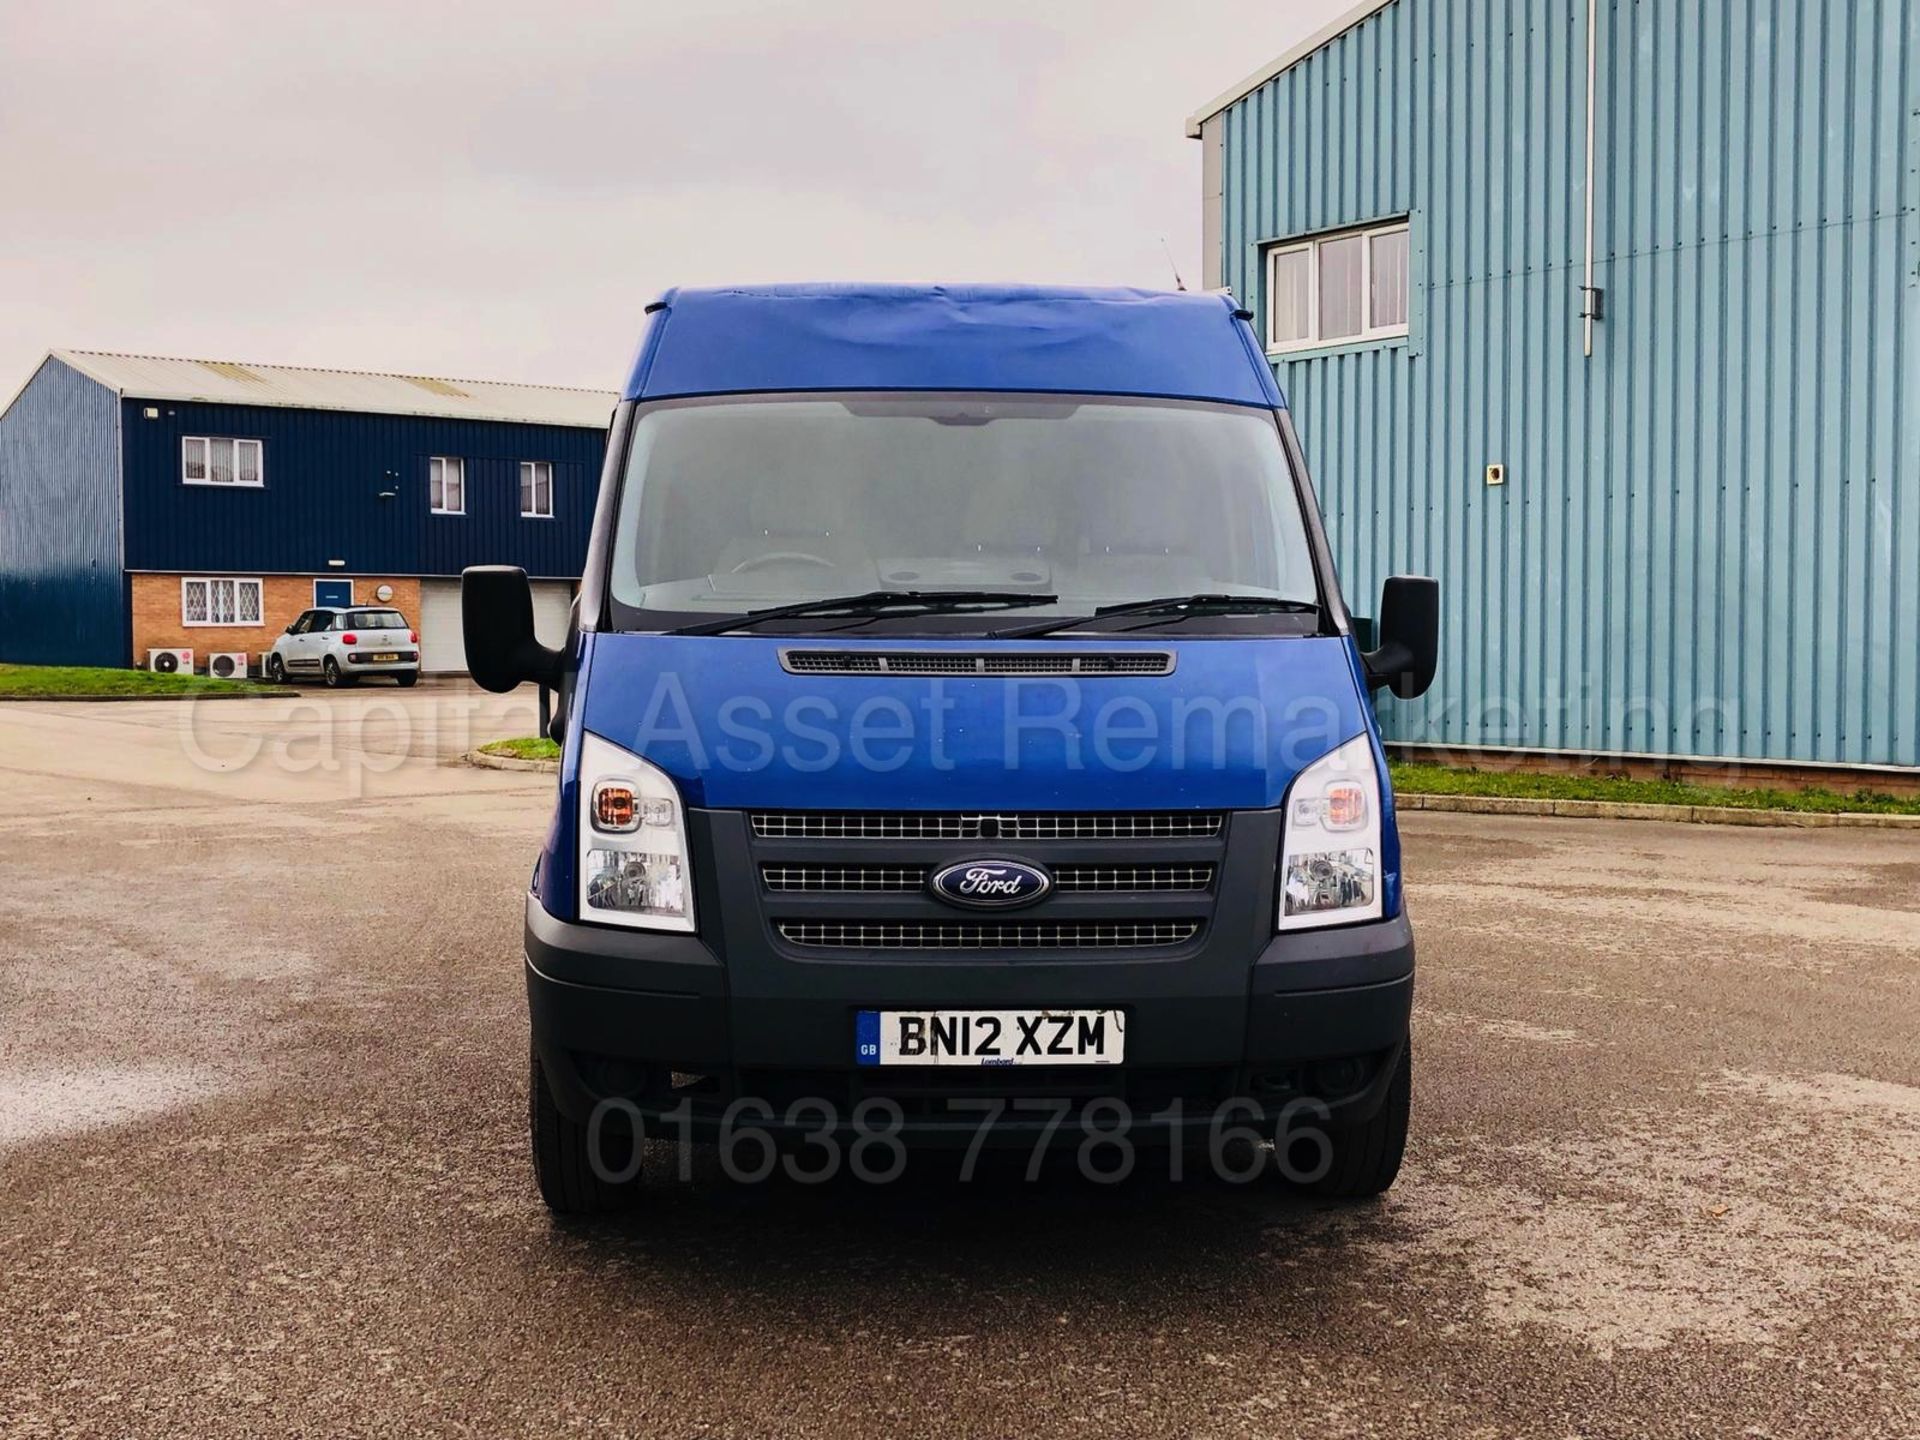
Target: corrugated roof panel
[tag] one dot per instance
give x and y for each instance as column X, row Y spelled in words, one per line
column 436, row 387
column 232, row 371
column 224, row 382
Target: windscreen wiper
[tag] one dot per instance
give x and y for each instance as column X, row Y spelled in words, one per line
column 874, row 602
column 1179, row 606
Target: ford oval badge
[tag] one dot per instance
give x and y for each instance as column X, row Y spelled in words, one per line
column 990, row 884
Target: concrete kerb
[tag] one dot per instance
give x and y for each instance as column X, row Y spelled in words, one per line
column 483, row 761
column 1672, row 814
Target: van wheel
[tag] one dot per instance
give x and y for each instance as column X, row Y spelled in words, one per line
column 276, row 672
column 331, row 673
column 410, row 678
column 562, row 1160
column 1366, row 1157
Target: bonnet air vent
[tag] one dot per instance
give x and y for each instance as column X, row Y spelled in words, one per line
column 984, row 825
column 986, row 662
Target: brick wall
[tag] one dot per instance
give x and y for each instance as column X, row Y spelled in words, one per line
column 157, row 623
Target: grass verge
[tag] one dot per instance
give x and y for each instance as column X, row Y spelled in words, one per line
column 526, row 747
column 60, row 681
column 1427, row 779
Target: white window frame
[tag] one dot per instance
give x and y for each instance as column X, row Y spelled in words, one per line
column 536, row 466
column 206, row 462
column 1372, row 334
column 209, row 581
column 443, row 461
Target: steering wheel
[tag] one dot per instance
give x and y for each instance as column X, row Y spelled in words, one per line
column 782, row 557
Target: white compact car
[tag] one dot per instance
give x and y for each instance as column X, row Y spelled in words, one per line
column 339, row 645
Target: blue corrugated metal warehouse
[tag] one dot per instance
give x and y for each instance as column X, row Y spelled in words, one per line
column 150, row 504
column 1690, row 525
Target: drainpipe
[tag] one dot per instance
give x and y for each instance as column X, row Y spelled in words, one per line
column 1589, row 296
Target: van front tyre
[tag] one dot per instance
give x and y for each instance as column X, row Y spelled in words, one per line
column 563, row 1164
column 1366, row 1157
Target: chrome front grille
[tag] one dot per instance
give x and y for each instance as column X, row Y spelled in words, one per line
column 1121, row 879
column 947, row 825
column 1074, row 879
column 866, row 879
column 991, row 662
column 988, row 934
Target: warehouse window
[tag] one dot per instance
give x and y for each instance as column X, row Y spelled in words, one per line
column 447, row 485
column 219, row 602
column 1337, row 289
column 536, row 489
column 219, row 460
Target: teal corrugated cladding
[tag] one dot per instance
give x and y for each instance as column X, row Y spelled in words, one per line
column 1709, row 542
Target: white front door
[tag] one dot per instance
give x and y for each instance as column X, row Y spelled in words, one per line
column 302, row 652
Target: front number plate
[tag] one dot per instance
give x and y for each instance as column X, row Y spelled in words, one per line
column 990, row 1037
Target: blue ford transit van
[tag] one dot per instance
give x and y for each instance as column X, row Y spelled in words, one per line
column 965, row 740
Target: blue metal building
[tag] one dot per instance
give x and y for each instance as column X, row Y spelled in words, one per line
column 151, row 503
column 1690, row 525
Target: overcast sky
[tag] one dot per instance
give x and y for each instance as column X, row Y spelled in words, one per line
column 495, row 190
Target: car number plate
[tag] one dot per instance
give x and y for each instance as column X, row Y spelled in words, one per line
column 387, row 655
column 990, row 1037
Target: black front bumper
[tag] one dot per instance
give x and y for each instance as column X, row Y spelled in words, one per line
column 663, row 1023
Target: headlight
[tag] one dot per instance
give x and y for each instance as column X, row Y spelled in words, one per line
column 633, row 842
column 1330, row 852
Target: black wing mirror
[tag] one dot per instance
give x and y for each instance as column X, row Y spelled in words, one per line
column 496, row 616
column 1409, row 631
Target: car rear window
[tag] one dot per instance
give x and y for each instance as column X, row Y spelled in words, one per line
column 376, row 620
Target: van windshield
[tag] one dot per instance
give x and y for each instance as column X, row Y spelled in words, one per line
column 741, row 504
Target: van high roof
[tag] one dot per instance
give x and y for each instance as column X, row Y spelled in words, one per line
column 1033, row 338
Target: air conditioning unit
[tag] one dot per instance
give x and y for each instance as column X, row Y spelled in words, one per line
column 227, row 664
column 170, row 662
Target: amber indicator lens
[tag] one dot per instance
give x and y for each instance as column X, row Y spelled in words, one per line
column 614, row 807
column 1346, row 806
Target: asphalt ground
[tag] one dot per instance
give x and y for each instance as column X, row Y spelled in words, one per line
column 263, row 1147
